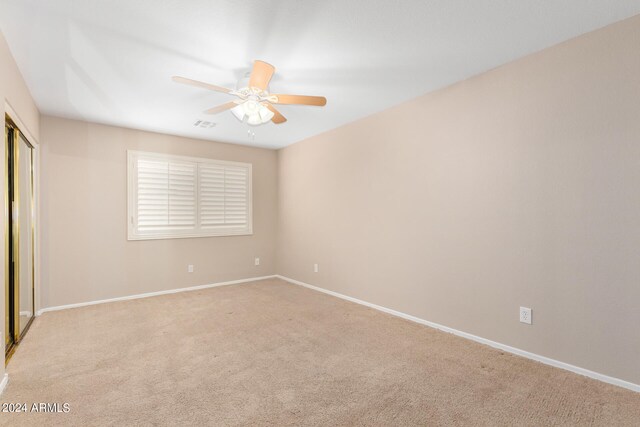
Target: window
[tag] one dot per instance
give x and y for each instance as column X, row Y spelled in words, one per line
column 175, row 196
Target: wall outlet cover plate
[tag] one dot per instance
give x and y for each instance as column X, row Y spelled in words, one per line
column 525, row 315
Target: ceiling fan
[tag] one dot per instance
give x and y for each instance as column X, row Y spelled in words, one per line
column 254, row 100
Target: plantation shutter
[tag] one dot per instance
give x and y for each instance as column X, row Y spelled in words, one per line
column 166, row 193
column 211, row 181
column 175, row 196
column 224, row 196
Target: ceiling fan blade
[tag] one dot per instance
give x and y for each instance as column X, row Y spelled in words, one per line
column 261, row 74
column 318, row 101
column 221, row 108
column 204, row 85
column 277, row 117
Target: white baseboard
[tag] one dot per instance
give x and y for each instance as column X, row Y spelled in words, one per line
column 504, row 347
column 153, row 294
column 4, row 382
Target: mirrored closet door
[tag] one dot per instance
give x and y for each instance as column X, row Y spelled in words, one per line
column 19, row 245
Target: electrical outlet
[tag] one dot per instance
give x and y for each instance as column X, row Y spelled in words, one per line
column 257, row 261
column 190, row 268
column 525, row 315
column 315, row 268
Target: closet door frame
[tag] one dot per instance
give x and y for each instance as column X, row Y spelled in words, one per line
column 13, row 137
column 8, row 333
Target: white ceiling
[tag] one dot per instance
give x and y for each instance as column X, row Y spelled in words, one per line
column 111, row 61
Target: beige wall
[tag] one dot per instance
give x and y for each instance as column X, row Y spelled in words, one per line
column 14, row 92
column 520, row 186
column 86, row 254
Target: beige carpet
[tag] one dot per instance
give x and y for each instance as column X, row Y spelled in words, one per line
column 271, row 353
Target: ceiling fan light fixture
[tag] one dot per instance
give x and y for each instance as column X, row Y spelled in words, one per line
column 251, row 107
column 238, row 111
column 254, row 119
column 265, row 114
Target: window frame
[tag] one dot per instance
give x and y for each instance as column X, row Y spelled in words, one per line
column 132, row 190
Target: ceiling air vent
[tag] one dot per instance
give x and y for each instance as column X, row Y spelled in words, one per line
column 204, row 124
